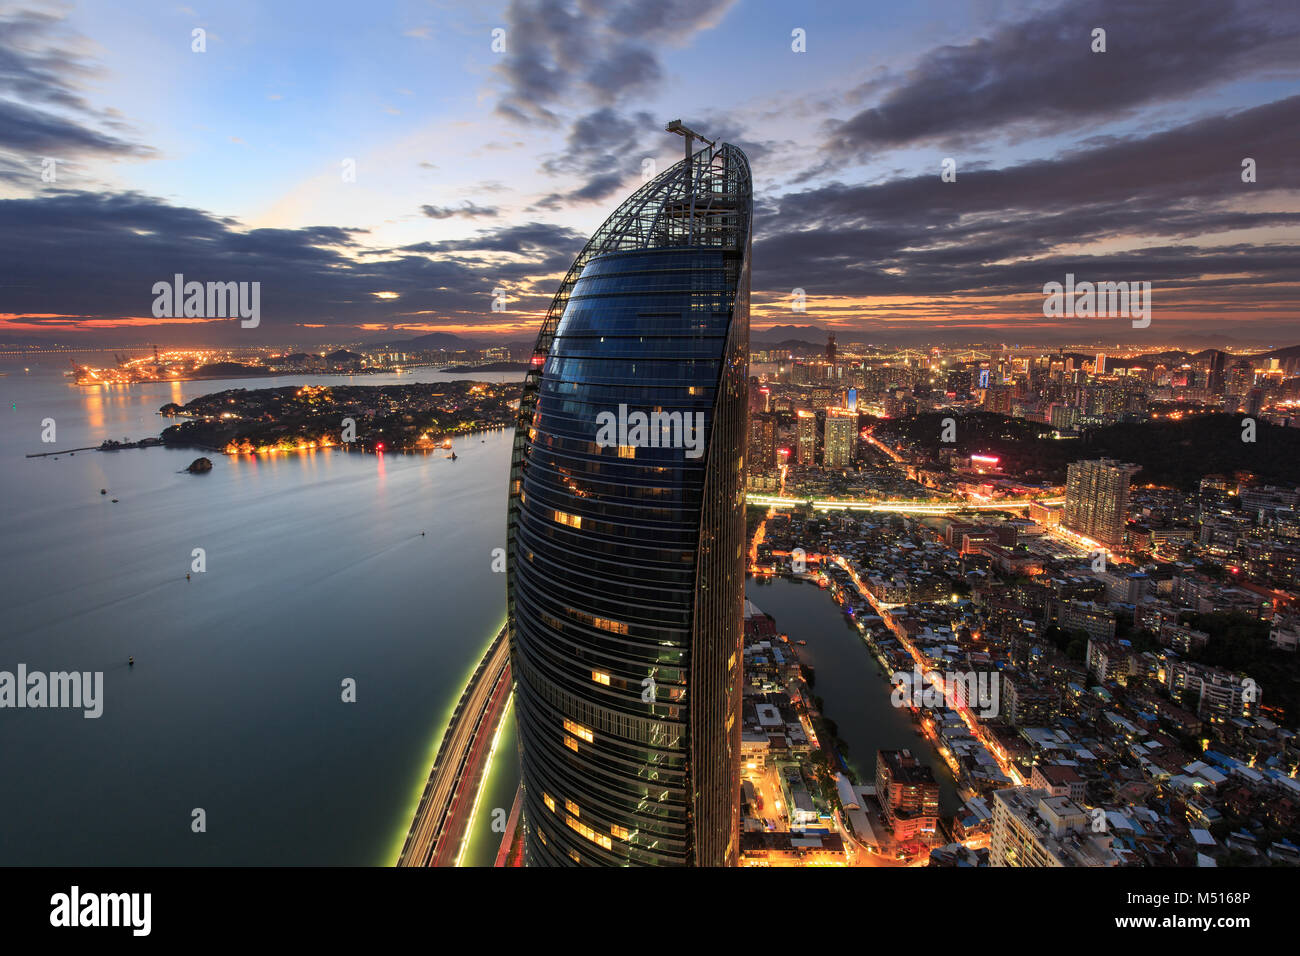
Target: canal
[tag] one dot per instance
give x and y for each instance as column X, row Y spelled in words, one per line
column 854, row 688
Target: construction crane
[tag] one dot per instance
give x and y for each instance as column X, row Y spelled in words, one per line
column 690, row 135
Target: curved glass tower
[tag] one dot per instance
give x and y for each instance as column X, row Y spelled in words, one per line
column 626, row 533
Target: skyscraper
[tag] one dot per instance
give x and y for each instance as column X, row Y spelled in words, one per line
column 805, row 437
column 625, row 563
column 841, row 435
column 761, row 455
column 1215, row 382
column 1096, row 499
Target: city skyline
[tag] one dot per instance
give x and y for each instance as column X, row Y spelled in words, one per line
column 711, row 434
column 379, row 202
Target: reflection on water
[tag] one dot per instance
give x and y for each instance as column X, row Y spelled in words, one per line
column 853, row 688
column 316, row 572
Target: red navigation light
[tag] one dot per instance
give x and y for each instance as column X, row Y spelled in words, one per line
column 539, row 359
column 379, row 447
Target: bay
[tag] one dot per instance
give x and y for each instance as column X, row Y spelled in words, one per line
column 316, row 572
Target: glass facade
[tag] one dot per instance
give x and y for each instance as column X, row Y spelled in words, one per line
column 626, row 546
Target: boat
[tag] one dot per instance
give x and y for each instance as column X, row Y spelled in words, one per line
column 452, row 456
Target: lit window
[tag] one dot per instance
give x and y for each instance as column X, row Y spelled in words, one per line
column 627, row 451
column 572, row 808
column 549, row 801
column 578, row 730
column 570, row 743
column 600, row 677
column 623, row 833
column 589, row 833
column 573, row 521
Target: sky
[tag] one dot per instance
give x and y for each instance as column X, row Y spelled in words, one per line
column 381, row 168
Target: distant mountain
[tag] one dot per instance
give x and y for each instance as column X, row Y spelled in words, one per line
column 1290, row 352
column 784, row 334
column 793, row 346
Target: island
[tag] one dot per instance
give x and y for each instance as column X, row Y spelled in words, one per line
column 416, row 417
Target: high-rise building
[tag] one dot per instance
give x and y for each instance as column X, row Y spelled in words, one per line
column 805, row 437
column 625, row 581
column 908, row 794
column 1217, row 360
column 1241, row 377
column 1096, row 499
column 761, row 455
column 1215, row 693
column 1035, row 829
column 840, row 438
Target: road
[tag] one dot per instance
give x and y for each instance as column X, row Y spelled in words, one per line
column 446, row 809
column 975, row 727
column 900, row 507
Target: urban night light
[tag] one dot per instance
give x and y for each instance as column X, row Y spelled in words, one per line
column 553, row 435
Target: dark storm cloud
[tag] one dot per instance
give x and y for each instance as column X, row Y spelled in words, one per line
column 98, row 256
column 1040, row 75
column 999, row 231
column 600, row 49
column 47, row 115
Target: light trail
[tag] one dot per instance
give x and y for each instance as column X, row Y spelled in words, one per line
column 907, row 507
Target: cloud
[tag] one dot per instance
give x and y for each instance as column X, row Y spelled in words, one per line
column 1170, row 208
column 97, row 256
column 1039, row 76
column 39, row 68
column 598, row 51
column 467, row 211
